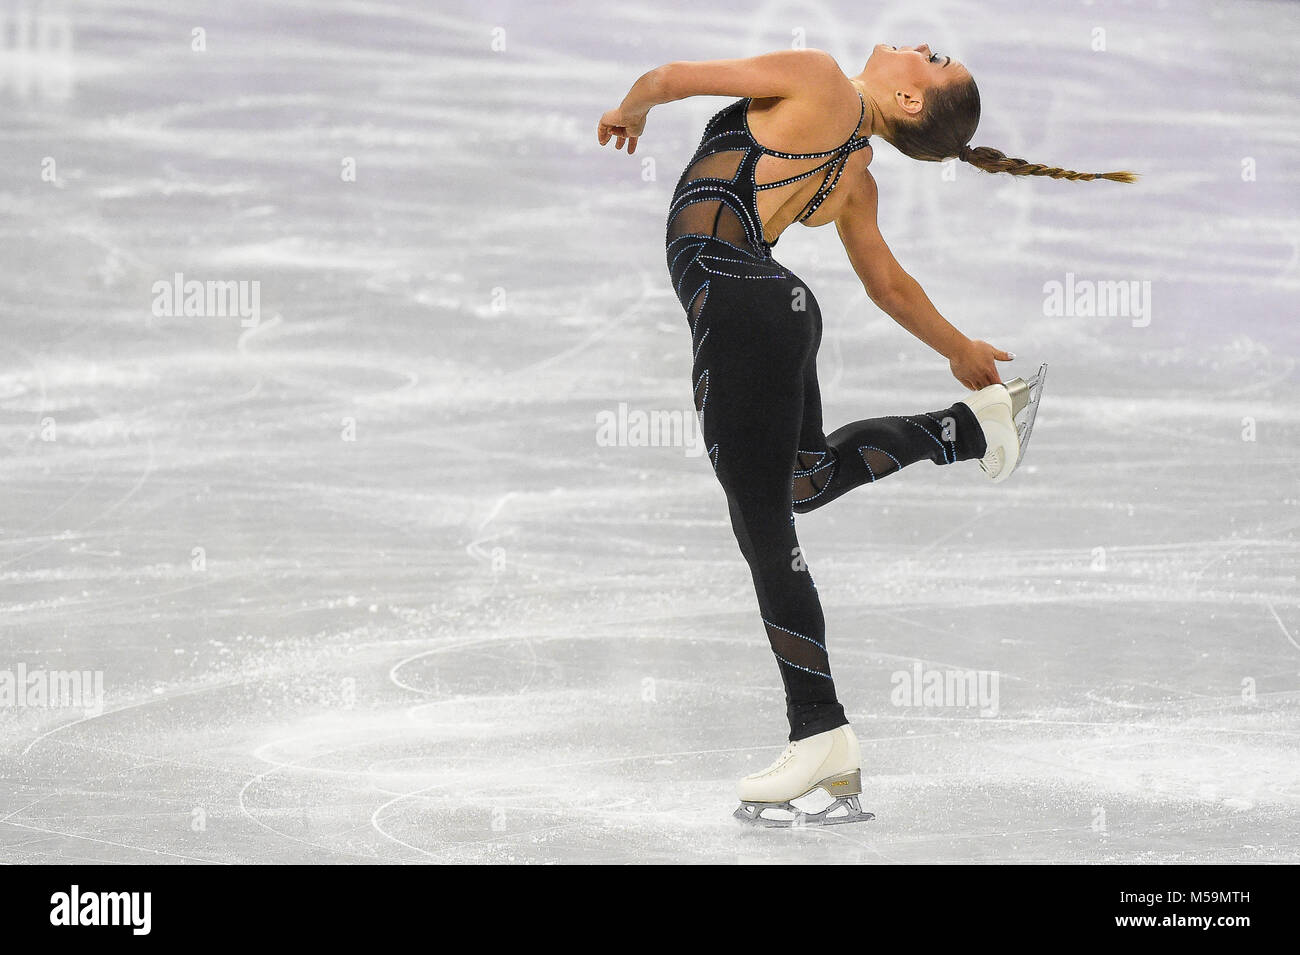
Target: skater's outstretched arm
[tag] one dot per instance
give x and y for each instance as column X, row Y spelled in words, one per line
column 807, row 74
column 901, row 297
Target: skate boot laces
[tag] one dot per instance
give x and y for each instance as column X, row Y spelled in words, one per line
column 780, row 760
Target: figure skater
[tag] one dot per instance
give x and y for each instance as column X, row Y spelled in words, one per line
column 796, row 148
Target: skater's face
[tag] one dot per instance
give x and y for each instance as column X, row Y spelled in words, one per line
column 902, row 76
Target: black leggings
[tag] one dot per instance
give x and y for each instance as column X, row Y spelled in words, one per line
column 755, row 331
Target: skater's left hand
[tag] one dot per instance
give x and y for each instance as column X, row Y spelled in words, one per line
column 974, row 366
column 623, row 125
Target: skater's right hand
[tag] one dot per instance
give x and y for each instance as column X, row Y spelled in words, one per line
column 974, row 366
column 621, row 125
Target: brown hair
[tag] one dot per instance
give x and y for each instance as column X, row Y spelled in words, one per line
column 945, row 128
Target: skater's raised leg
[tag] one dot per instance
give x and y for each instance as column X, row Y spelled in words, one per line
column 866, row 451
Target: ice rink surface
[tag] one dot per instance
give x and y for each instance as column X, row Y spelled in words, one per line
column 363, row 584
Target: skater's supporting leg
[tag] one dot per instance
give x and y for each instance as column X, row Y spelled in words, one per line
column 750, row 348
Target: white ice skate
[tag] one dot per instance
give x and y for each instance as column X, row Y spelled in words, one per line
column 815, row 782
column 1007, row 413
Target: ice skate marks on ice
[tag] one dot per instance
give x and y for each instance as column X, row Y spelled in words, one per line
column 831, row 802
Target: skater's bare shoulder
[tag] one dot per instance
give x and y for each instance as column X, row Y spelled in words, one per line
column 861, row 199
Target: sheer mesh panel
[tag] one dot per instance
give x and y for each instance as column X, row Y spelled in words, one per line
column 813, row 471
column 695, row 219
column 697, row 304
column 879, row 463
column 710, row 216
column 730, row 228
column 719, row 165
column 701, row 393
column 797, row 650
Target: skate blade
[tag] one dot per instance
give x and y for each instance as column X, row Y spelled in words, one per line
column 1026, row 396
column 844, row 810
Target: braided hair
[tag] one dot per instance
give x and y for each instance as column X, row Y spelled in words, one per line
column 945, row 128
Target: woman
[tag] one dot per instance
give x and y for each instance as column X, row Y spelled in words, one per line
column 796, row 148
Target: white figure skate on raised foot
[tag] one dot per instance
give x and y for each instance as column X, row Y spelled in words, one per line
column 1007, row 413
column 815, row 782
